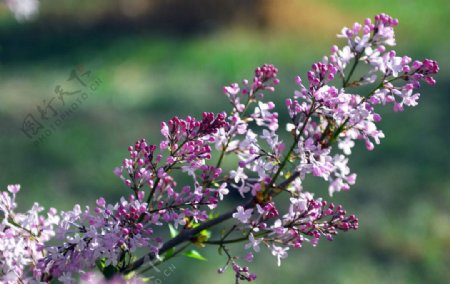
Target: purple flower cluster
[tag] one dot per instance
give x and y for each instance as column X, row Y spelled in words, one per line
column 109, row 234
column 22, row 237
column 326, row 119
column 306, row 220
column 322, row 114
column 265, row 79
column 186, row 142
column 367, row 44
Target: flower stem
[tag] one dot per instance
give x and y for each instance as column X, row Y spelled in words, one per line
column 346, row 81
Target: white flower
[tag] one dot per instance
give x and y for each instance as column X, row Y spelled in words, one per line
column 242, row 214
column 232, row 90
column 394, row 64
column 14, row 188
column 280, row 253
column 290, row 127
column 222, row 190
column 238, row 175
column 298, row 205
column 254, row 243
column 220, row 139
column 345, row 55
column 362, row 43
column 243, row 189
column 179, row 220
column 251, row 138
column 346, row 145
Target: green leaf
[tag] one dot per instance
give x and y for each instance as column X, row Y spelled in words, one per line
column 195, row 255
column 131, row 275
column 173, row 231
column 213, row 215
column 110, row 271
column 201, row 237
column 206, row 234
column 101, row 264
column 169, row 253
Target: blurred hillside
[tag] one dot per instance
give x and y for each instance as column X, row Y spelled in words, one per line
column 157, row 59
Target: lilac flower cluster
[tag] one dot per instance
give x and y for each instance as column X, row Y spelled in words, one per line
column 367, row 44
column 306, row 217
column 22, row 237
column 162, row 218
column 186, row 142
column 108, row 234
column 265, row 79
column 323, row 114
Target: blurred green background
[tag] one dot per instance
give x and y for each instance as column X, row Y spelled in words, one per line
column 157, row 59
